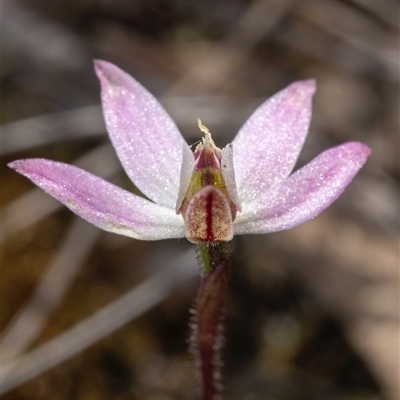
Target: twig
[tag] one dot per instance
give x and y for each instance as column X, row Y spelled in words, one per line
column 129, row 306
column 28, row 323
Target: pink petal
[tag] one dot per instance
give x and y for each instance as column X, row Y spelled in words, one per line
column 228, row 172
column 306, row 193
column 147, row 141
column 100, row 202
column 268, row 145
column 187, row 169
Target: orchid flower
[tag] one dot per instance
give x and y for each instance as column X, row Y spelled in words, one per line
column 208, row 195
column 250, row 190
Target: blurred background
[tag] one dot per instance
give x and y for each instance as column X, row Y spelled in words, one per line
column 312, row 313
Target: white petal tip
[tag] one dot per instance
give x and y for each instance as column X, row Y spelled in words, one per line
column 110, row 74
column 305, row 87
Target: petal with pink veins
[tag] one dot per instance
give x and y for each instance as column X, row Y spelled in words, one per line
column 268, row 145
column 306, row 193
column 100, row 202
column 147, row 141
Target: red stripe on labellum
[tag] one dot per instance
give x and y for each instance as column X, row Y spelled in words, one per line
column 209, row 217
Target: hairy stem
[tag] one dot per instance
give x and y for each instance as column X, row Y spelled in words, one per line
column 210, row 300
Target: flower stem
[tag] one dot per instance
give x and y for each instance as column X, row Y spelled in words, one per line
column 215, row 259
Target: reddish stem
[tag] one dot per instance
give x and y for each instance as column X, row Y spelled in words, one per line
column 209, row 308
